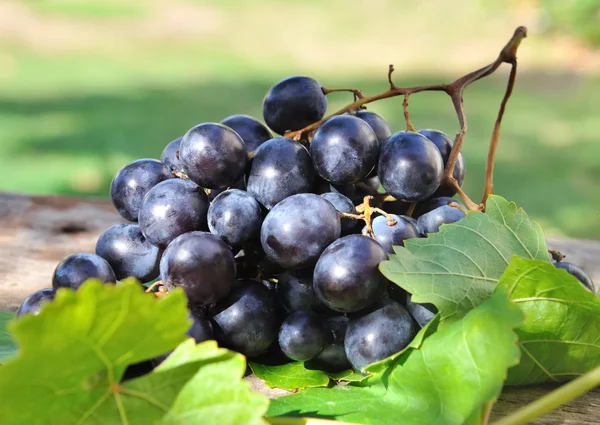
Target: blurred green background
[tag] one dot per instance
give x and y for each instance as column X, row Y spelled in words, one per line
column 89, row 85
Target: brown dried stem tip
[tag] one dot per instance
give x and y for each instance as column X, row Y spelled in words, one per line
column 455, row 90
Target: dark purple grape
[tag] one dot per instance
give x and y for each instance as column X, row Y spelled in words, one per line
column 129, row 253
column 389, row 236
column 433, row 203
column 347, row 276
column 247, row 320
column 200, row 263
column 441, row 141
column 379, row 125
column 172, row 208
column 431, row 221
column 343, row 205
column 333, row 356
column 170, row 156
column 444, row 144
column 131, row 184
column 295, row 291
column 344, row 149
column 303, row 335
column 201, row 329
column 381, row 332
column 235, row 216
column 410, row 166
column 214, row 156
column 422, row 313
column 458, row 173
column 280, row 168
column 74, row 270
column 252, row 132
column 298, row 229
column 577, row 272
column 294, row 103
column 35, row 301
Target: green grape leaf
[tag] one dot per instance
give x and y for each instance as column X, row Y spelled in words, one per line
column 560, row 336
column 446, row 381
column 458, row 267
column 72, row 356
column 8, row 348
column 347, row 376
column 216, row 395
column 290, row 376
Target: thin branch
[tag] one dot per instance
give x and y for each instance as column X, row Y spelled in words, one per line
column 489, row 170
column 357, row 93
column 390, row 72
column 409, row 126
column 455, row 91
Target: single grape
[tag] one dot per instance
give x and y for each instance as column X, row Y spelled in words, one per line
column 433, row 203
column 252, row 132
column 444, row 144
column 170, row 156
column 280, row 168
column 441, row 141
column 302, row 335
column 379, row 125
column 343, row 205
column 344, row 149
column 294, row 103
column 431, row 221
column 381, row 332
column 200, row 263
column 201, row 329
column 295, row 291
column 35, row 301
column 410, row 166
column 214, row 156
column 389, row 236
column 133, row 182
column 129, row 253
column 297, row 230
column 74, row 270
column 577, row 272
column 172, row 208
column 422, row 313
column 333, row 356
column 235, row 216
column 347, row 276
column 247, row 320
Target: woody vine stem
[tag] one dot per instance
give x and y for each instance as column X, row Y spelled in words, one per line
column 455, row 90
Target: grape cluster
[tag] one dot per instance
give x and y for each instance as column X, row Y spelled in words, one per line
column 264, row 236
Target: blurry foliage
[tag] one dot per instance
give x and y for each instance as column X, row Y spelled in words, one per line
column 580, row 18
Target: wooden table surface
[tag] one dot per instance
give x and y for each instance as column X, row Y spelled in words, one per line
column 36, row 232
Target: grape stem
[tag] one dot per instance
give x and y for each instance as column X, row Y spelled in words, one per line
column 409, row 126
column 365, row 212
column 357, row 93
column 551, row 401
column 455, row 90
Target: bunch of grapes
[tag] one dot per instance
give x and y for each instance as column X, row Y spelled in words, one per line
column 276, row 241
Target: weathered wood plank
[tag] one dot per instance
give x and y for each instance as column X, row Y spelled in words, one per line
column 36, row 232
